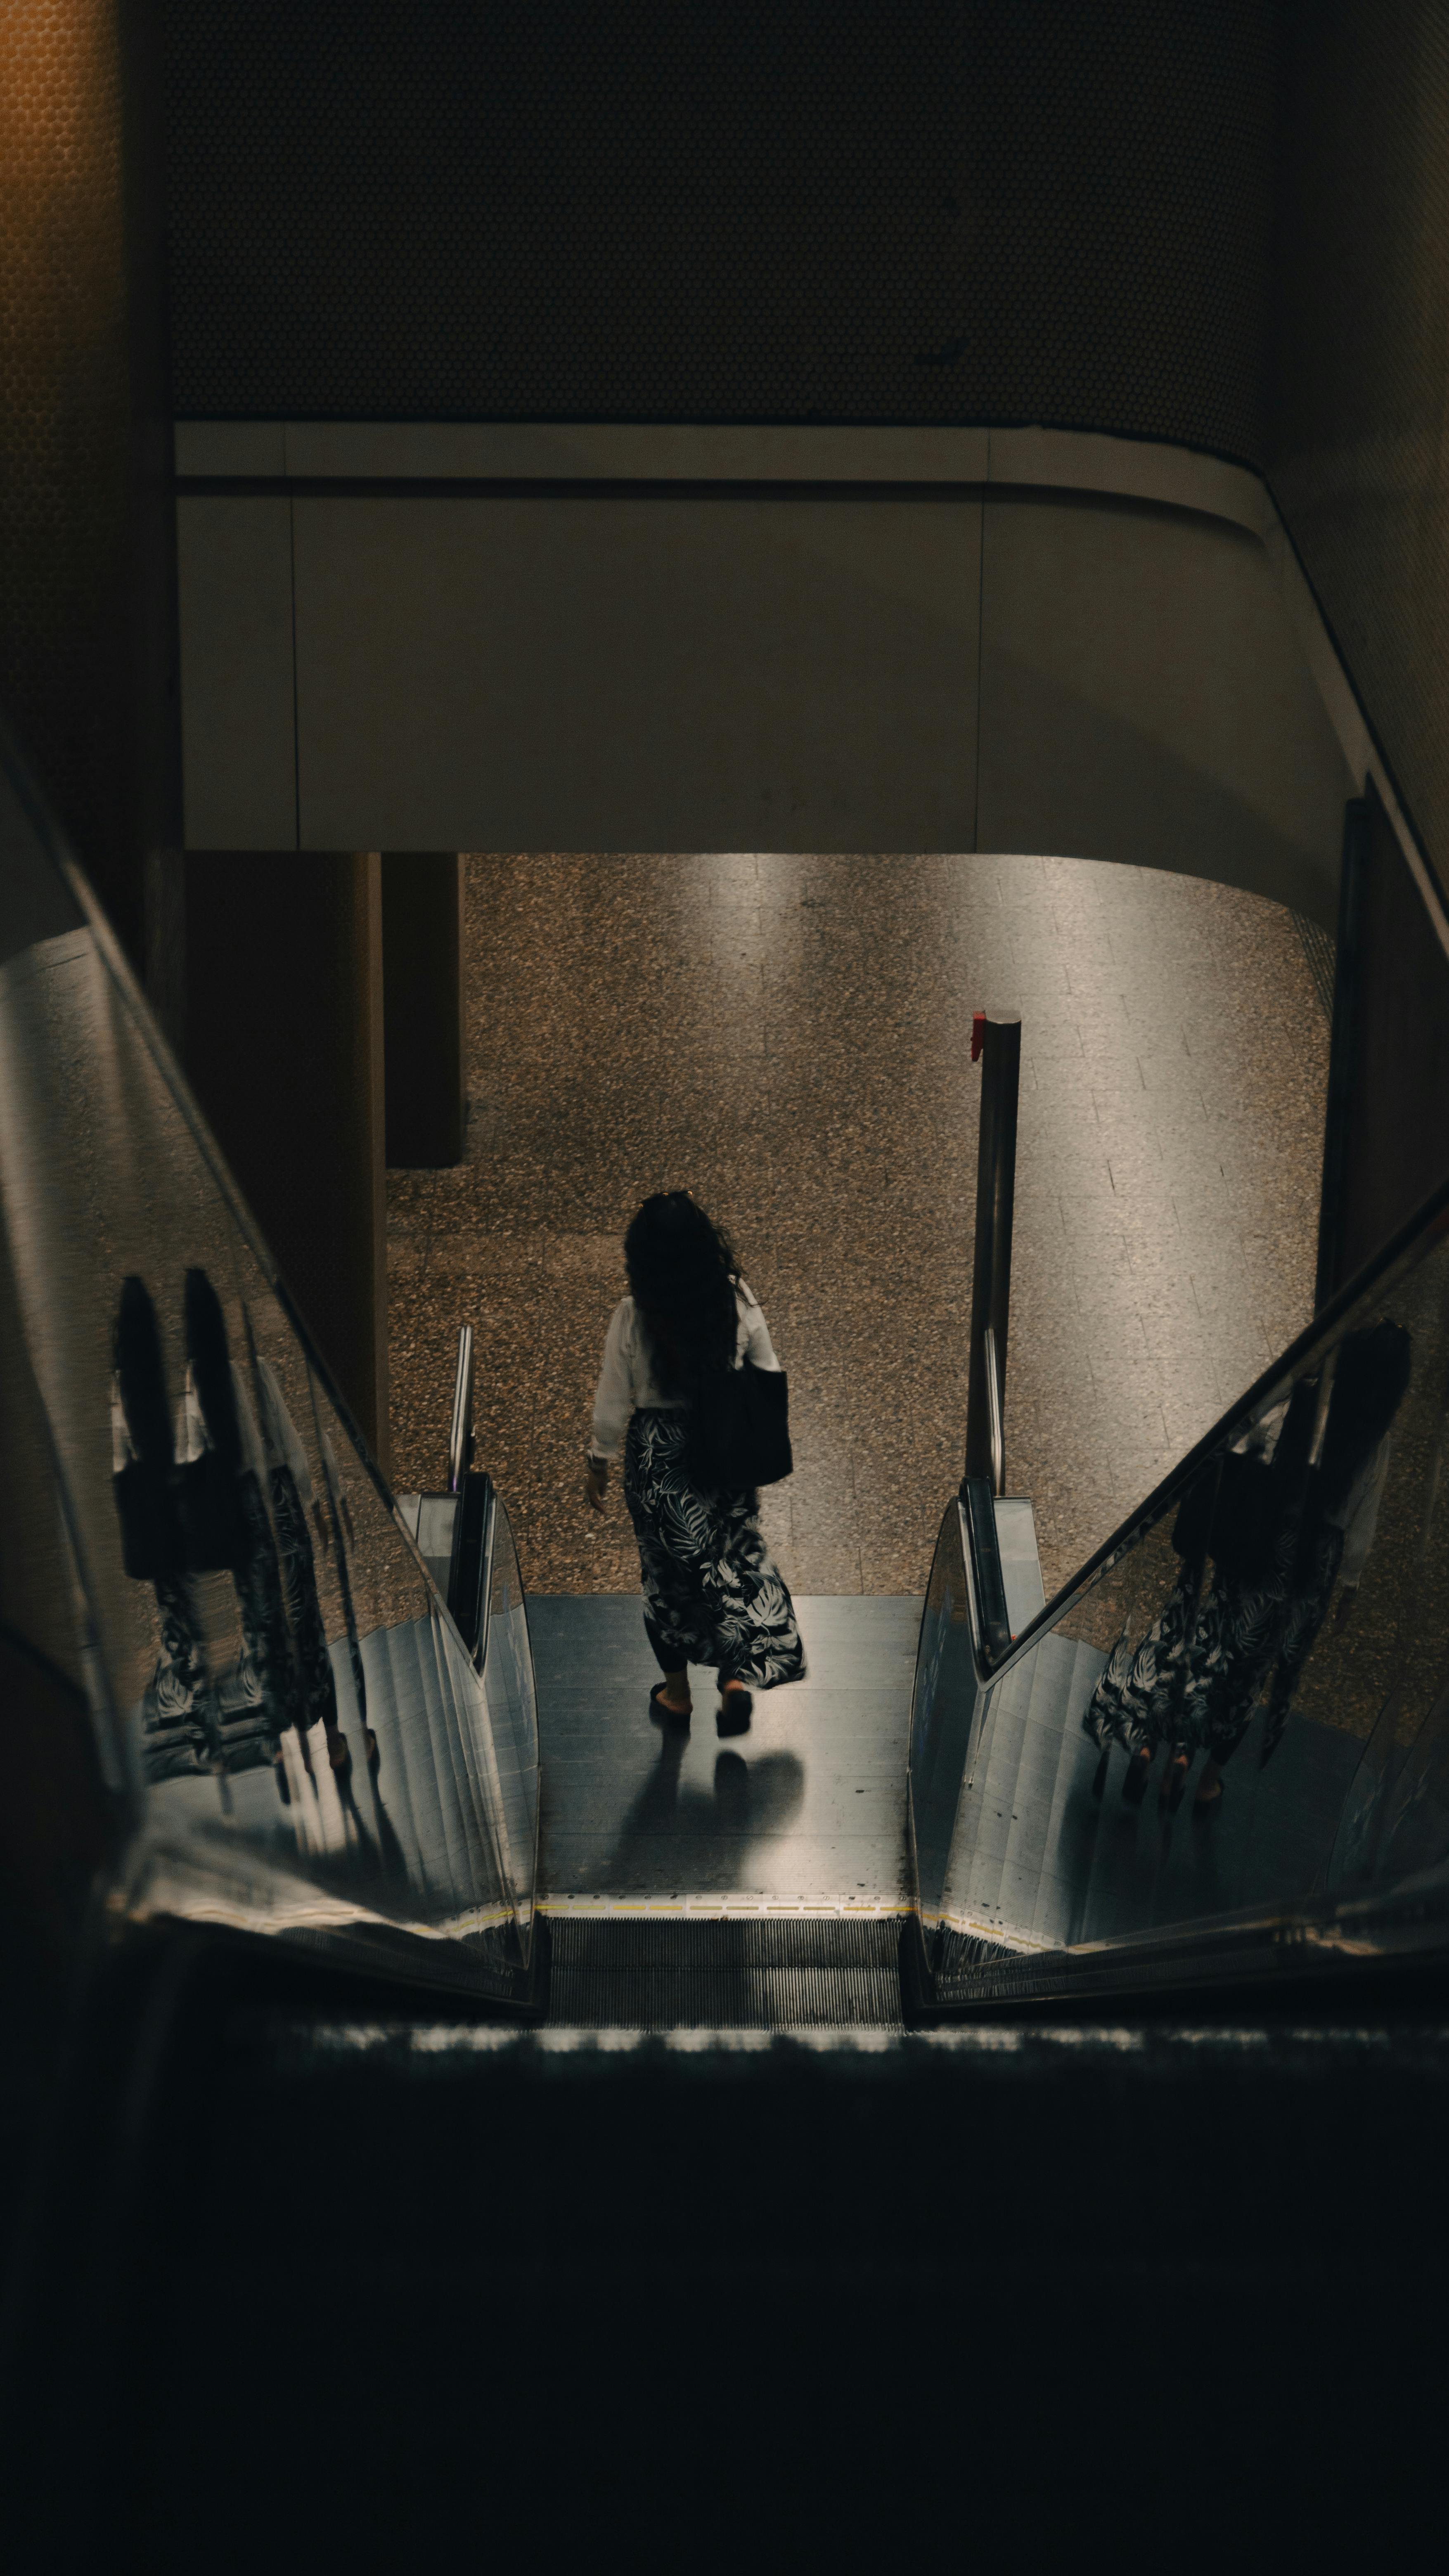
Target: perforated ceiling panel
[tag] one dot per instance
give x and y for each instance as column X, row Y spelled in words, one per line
column 1026, row 210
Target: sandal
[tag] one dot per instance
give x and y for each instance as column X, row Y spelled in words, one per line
column 732, row 1717
column 662, row 1714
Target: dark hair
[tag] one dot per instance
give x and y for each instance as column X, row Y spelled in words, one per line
column 682, row 1275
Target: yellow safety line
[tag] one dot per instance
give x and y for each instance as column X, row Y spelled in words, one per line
column 714, row 1909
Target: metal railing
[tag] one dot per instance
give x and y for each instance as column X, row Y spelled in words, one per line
column 460, row 1434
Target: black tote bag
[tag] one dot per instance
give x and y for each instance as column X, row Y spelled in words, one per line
column 742, row 1430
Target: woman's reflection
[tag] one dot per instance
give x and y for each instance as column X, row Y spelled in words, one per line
column 1280, row 1519
column 181, row 1711
column 225, row 1488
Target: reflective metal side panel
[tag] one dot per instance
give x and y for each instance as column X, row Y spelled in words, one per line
column 1236, row 1725
column 947, row 1705
column 303, row 1744
column 512, row 1703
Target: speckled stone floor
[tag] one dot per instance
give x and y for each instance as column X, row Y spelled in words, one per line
column 789, row 1037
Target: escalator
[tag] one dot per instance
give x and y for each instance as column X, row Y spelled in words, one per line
column 463, row 2133
column 1283, row 1596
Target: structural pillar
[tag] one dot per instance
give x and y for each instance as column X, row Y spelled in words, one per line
column 284, row 1047
column 422, row 913
column 88, row 626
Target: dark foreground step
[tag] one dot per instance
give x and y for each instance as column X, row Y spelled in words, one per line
column 387, row 2287
column 616, row 1972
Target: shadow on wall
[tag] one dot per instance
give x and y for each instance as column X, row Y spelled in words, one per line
column 1108, row 790
column 1144, row 697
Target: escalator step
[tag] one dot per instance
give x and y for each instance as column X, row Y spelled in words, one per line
column 617, row 1972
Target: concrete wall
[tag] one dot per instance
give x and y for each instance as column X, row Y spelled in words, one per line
column 1359, row 454
column 1143, row 698
column 675, row 673
column 88, row 674
column 515, row 638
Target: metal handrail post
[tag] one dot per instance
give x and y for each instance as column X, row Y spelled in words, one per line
column 991, row 1271
column 460, row 1431
column 993, row 1415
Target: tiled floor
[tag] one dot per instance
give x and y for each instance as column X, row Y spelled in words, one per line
column 789, row 1037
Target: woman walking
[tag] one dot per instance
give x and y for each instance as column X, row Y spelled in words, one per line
column 712, row 1593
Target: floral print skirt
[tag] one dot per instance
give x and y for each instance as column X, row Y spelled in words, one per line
column 713, row 1594
column 1196, row 1677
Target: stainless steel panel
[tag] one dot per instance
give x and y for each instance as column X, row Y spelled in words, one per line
column 1020, row 1562
column 303, row 1742
column 1279, row 1619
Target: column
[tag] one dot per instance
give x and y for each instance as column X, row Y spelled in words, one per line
column 422, row 912
column 284, row 1045
column 88, row 628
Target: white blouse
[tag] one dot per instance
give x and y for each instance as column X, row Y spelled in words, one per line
column 626, row 1381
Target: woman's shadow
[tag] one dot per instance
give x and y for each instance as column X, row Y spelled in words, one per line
column 676, row 1835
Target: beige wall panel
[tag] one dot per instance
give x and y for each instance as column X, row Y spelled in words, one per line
column 1144, row 698
column 631, row 451
column 237, row 718
column 651, row 673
